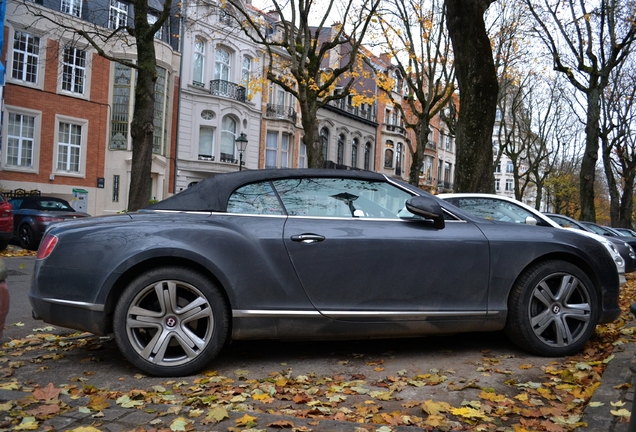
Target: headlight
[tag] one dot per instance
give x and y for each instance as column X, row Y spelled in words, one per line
column 612, row 246
column 630, row 249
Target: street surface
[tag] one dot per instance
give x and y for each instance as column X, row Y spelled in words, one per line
column 485, row 379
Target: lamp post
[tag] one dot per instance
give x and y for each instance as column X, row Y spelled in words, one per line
column 241, row 145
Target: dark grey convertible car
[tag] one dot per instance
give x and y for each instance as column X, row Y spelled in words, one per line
column 315, row 254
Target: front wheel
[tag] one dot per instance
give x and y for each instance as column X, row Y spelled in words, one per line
column 552, row 309
column 171, row 321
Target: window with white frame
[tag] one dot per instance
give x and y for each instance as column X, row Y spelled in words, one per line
column 198, row 62
column 277, row 150
column 118, row 14
column 228, row 136
column 73, row 70
column 246, row 71
column 388, row 154
column 206, row 143
column 20, row 140
column 509, row 167
column 302, row 155
column 222, row 64
column 509, row 185
column 498, row 167
column 26, row 56
column 324, row 143
column 120, row 119
column 69, row 147
column 497, row 184
column 72, row 7
column 341, row 144
column 367, row 156
column 160, row 130
column 354, row 153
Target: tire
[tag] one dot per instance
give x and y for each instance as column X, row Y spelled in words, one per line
column 171, row 321
column 27, row 237
column 552, row 309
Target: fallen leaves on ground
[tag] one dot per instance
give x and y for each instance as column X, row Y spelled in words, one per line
column 554, row 401
column 14, row 251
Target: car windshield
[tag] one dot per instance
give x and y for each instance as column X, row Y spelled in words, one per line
column 52, row 205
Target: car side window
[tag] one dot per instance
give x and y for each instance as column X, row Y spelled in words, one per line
column 256, row 198
column 348, row 198
column 493, row 209
column 16, row 203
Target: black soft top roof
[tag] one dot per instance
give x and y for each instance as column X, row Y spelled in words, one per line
column 212, row 194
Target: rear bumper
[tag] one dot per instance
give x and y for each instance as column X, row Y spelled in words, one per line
column 75, row 315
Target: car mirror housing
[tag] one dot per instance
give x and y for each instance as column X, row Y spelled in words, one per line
column 427, row 208
column 531, row 221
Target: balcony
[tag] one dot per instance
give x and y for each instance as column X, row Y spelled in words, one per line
column 227, row 89
column 358, row 113
column 432, row 145
column 394, row 128
column 281, row 112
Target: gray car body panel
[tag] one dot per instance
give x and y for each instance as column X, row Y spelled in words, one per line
column 367, row 284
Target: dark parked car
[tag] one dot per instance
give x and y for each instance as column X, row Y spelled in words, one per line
column 626, row 232
column 33, row 214
column 6, row 222
column 630, row 257
column 301, row 254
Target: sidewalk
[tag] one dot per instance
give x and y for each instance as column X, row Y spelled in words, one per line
column 621, row 370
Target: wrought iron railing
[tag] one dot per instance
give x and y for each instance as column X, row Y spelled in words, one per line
column 281, row 111
column 341, row 104
column 227, row 89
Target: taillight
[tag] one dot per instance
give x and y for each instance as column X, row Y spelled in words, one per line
column 46, row 246
column 49, row 219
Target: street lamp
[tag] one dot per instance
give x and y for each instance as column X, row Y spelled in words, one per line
column 241, row 145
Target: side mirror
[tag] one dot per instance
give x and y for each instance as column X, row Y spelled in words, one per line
column 428, row 208
column 531, row 221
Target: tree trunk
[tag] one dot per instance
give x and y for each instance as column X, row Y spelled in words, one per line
column 417, row 156
column 627, row 204
column 590, row 157
column 478, row 90
column 142, row 126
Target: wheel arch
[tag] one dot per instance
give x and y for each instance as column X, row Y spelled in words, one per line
column 562, row 256
column 151, row 263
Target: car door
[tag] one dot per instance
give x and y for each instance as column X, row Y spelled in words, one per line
column 361, row 256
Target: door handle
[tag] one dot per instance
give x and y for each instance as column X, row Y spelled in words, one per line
column 307, row 238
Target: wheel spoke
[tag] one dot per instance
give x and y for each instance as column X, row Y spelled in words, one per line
column 142, row 321
column 568, row 285
column 543, row 294
column 156, row 348
column 563, row 334
column 188, row 340
column 196, row 314
column 196, row 303
column 541, row 319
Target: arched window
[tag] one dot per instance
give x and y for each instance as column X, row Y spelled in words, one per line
column 398, row 159
column 228, row 135
column 198, row 62
column 354, row 153
column 222, row 64
column 388, row 155
column 341, row 143
column 367, row 156
column 324, row 142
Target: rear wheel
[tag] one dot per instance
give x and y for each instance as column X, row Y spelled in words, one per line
column 27, row 237
column 171, row 321
column 553, row 309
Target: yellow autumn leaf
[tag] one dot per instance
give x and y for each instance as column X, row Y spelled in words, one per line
column 178, row 424
column 468, row 412
column 216, row 414
column 525, row 366
column 85, row 429
column 260, row 396
column 620, row 413
column 434, row 408
column 28, row 423
column 247, row 421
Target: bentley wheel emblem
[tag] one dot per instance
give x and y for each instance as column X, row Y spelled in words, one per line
column 556, row 309
column 171, row 321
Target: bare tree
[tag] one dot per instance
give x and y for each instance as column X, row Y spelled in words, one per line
column 139, row 35
column 417, row 41
column 309, row 61
column 585, row 44
column 478, row 89
column 618, row 142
